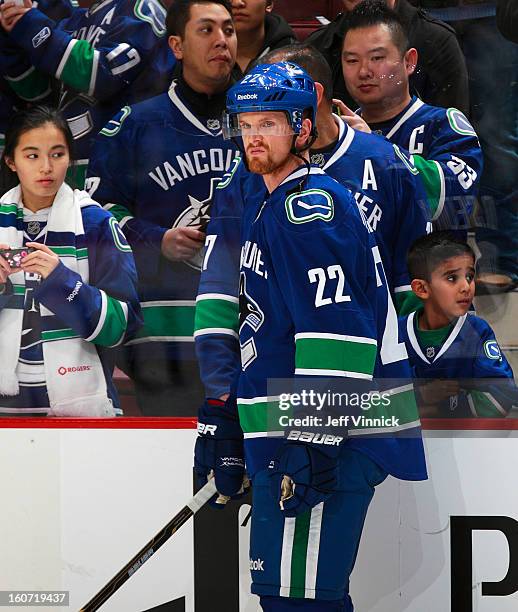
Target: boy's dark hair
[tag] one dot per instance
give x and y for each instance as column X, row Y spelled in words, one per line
column 428, row 252
column 308, row 58
column 376, row 12
column 21, row 122
column 179, row 14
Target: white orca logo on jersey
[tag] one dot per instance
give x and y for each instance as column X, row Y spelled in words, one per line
column 198, row 213
column 492, row 350
column 319, row 202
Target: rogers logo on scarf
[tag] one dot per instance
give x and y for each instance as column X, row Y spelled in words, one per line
column 72, row 370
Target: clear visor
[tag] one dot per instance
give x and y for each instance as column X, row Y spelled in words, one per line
column 269, row 123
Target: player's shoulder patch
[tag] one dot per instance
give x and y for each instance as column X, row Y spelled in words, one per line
column 228, row 176
column 492, row 350
column 114, row 125
column 153, row 13
column 310, row 205
column 459, row 123
column 406, row 161
column 118, row 236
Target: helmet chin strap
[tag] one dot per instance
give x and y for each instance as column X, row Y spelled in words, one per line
column 297, row 153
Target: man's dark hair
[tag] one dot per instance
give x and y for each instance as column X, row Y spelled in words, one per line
column 428, row 252
column 375, row 12
column 179, row 14
column 309, row 59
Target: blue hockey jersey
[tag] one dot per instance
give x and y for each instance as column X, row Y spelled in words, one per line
column 155, row 166
column 470, row 354
column 105, row 310
column 10, row 61
column 313, row 302
column 387, row 190
column 445, row 149
column 111, row 54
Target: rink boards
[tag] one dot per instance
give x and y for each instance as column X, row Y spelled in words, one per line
column 77, row 503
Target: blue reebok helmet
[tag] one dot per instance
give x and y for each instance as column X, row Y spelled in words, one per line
column 283, row 86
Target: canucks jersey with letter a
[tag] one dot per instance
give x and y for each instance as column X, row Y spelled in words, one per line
column 445, row 149
column 471, row 355
column 155, row 166
column 388, row 191
column 312, row 292
column 108, row 55
column 83, row 312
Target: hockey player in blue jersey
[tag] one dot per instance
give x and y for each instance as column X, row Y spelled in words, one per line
column 313, row 303
column 384, row 183
column 65, row 303
column 162, row 198
column 111, row 54
column 454, row 354
column 377, row 63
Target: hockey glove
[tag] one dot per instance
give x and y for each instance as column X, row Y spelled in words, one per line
column 304, row 474
column 219, row 449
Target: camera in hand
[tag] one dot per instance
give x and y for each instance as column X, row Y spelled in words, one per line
column 14, row 256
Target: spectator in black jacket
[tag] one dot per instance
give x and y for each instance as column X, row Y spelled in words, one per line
column 258, row 30
column 440, row 78
column 507, row 18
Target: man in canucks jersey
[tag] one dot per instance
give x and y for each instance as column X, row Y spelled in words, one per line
column 313, row 303
column 108, row 55
column 155, row 167
column 441, row 143
column 454, row 354
column 386, row 187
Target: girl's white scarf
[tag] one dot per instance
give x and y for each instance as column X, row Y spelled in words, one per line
column 73, row 372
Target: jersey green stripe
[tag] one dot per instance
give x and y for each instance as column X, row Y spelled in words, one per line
column 402, row 406
column 328, row 354
column 167, row 321
column 260, row 416
column 119, row 212
column 78, row 67
column 70, row 251
column 114, row 325
column 484, row 406
column 76, row 174
column 431, row 181
column 32, row 86
column 299, row 555
column 216, row 313
column 58, row 334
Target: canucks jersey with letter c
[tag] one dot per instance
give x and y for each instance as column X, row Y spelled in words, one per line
column 444, row 147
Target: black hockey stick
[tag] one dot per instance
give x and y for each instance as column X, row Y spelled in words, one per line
column 192, row 506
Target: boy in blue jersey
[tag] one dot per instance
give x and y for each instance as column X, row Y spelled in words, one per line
column 461, row 370
column 111, row 54
column 313, row 302
column 377, row 63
